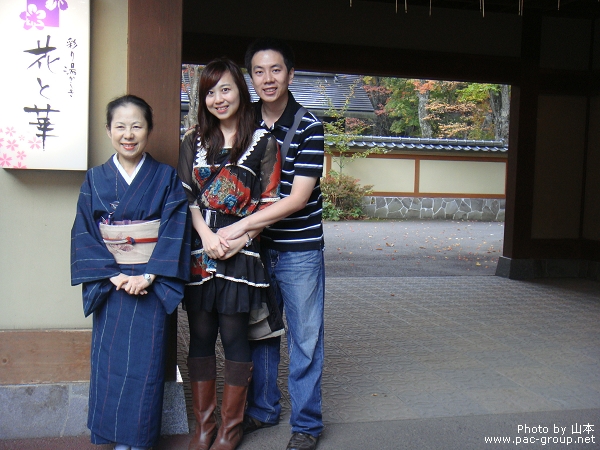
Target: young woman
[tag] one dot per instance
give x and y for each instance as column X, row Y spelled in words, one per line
column 229, row 169
column 130, row 233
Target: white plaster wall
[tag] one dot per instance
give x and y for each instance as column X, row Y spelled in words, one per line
column 386, row 175
column 37, row 207
column 435, row 176
column 462, row 177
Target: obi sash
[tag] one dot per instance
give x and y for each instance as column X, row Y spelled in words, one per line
column 131, row 242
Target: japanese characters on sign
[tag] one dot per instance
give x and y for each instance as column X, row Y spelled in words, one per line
column 45, row 90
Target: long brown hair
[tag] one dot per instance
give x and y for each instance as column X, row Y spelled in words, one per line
column 208, row 130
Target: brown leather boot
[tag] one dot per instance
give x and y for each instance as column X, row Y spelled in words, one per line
column 237, row 378
column 203, row 374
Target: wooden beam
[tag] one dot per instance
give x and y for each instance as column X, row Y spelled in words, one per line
column 154, row 69
column 154, row 73
column 521, row 145
column 52, row 356
column 198, row 48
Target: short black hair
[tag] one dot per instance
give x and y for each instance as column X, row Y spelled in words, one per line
column 126, row 100
column 264, row 44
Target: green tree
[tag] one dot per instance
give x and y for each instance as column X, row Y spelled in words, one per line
column 449, row 115
column 193, row 71
column 500, row 108
column 379, row 95
column 402, row 106
column 340, row 132
column 431, row 108
column 342, row 193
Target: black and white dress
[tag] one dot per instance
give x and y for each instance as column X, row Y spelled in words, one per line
column 237, row 284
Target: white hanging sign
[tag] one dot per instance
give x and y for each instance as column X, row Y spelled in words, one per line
column 44, row 84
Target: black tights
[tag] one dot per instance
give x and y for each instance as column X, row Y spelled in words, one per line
column 204, row 327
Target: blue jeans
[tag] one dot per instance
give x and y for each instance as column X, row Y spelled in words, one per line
column 299, row 282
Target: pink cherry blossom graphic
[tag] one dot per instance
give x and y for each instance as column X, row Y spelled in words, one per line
column 10, row 131
column 21, row 155
column 33, row 17
column 1, row 142
column 20, row 165
column 5, row 160
column 52, row 4
column 21, row 137
column 35, row 143
column 12, row 145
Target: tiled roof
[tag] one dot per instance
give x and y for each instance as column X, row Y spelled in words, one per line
column 319, row 91
column 406, row 143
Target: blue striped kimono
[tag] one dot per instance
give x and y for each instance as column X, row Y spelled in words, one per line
column 130, row 332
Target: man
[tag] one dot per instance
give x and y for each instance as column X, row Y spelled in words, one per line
column 292, row 247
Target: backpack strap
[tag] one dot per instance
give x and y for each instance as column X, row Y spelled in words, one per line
column 290, row 134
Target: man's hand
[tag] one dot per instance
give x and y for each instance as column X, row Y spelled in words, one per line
column 235, row 245
column 233, row 231
column 302, row 188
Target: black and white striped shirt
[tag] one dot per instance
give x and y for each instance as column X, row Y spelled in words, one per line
column 302, row 230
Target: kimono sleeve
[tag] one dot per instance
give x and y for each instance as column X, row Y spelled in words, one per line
column 91, row 262
column 170, row 260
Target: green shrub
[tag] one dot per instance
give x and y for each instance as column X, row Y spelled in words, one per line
column 342, row 197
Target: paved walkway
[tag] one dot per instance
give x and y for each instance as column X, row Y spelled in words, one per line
column 445, row 363
column 430, row 248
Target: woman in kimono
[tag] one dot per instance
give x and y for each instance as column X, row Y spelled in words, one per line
column 229, row 169
column 129, row 250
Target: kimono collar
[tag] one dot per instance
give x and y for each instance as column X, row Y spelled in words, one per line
column 125, row 175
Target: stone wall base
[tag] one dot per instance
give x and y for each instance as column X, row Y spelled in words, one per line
column 487, row 210
column 57, row 410
column 525, row 269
